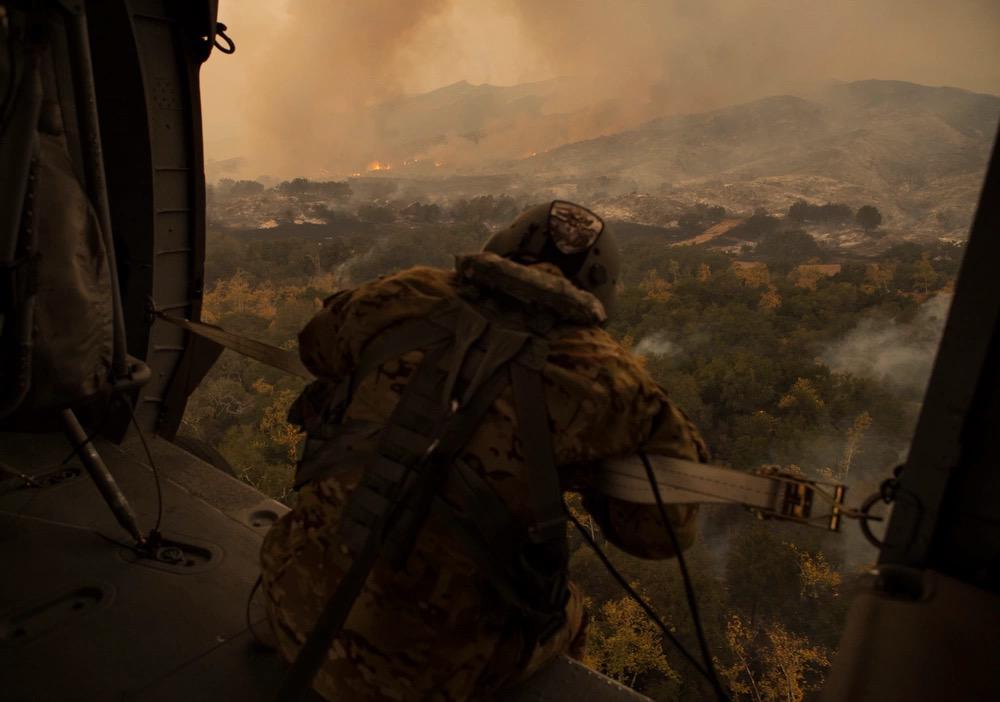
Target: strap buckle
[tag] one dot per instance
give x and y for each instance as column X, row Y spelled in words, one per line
column 798, row 496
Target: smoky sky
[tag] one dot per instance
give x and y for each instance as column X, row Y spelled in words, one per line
column 289, row 101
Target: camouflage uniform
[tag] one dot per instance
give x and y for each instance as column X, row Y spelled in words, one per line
column 436, row 630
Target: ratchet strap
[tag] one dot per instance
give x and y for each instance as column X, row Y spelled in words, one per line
column 771, row 494
column 273, row 356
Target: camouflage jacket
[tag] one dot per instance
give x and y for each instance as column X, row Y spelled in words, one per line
column 435, row 630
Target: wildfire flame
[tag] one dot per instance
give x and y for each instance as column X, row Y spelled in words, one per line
column 379, row 166
column 438, row 164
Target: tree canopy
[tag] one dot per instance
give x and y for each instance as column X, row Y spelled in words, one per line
column 868, row 217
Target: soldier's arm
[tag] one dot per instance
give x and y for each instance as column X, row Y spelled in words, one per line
column 638, row 529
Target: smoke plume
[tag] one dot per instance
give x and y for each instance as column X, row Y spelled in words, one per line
column 900, row 354
column 657, row 345
column 292, row 100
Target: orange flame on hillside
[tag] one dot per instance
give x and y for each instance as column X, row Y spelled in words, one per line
column 379, row 166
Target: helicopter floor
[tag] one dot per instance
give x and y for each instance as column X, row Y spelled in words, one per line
column 82, row 618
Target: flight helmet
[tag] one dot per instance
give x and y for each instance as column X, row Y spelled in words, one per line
column 569, row 236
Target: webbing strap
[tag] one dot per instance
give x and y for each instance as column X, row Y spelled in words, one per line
column 681, row 481
column 772, row 494
column 536, row 442
column 502, row 345
column 281, row 359
column 390, row 510
column 467, row 329
column 400, row 449
column 456, row 435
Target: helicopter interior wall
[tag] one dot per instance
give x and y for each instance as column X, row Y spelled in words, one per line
column 57, row 286
column 146, row 55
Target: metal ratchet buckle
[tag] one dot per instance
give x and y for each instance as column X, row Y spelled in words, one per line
column 798, row 496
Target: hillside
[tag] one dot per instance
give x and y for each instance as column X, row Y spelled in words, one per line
column 915, row 151
column 464, row 125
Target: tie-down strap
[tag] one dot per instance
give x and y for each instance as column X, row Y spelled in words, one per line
column 282, row 359
column 771, row 494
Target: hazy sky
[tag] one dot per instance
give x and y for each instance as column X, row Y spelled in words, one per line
column 301, row 64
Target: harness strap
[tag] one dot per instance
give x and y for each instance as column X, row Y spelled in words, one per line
column 549, row 521
column 502, row 345
column 413, row 512
column 273, row 356
column 401, row 446
column 467, row 329
column 389, row 505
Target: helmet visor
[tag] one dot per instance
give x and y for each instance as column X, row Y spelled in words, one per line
column 573, row 229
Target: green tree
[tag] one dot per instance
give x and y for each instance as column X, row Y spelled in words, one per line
column 924, row 275
column 624, row 644
column 868, row 217
column 788, row 247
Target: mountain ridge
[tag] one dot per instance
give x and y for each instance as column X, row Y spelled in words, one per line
column 913, row 150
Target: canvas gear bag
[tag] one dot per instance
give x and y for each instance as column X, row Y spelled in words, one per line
column 56, row 316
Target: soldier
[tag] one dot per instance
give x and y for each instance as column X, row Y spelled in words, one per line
column 473, row 398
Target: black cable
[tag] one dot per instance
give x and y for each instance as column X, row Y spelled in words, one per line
column 259, row 642
column 630, row 591
column 152, row 464
column 713, row 676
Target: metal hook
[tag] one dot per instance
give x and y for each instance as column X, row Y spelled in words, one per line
column 864, row 517
column 230, row 45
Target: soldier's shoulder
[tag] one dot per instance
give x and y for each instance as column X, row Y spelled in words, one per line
column 418, row 280
column 593, row 353
column 407, row 292
column 592, row 342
